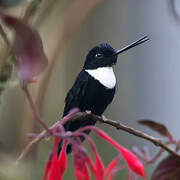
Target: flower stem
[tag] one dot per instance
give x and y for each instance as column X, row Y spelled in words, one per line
column 34, row 109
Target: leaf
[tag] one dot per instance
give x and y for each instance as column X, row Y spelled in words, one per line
column 158, row 127
column 9, row 3
column 168, row 169
column 27, row 48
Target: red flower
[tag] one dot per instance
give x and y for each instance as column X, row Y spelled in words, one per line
column 57, row 165
column 132, row 161
column 80, row 164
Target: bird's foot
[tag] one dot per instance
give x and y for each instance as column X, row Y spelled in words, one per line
column 88, row 112
column 103, row 117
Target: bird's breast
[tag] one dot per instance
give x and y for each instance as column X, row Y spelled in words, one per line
column 104, row 75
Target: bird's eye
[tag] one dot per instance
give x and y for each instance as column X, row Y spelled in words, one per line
column 98, row 55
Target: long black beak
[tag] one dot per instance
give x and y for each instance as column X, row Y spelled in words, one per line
column 135, row 43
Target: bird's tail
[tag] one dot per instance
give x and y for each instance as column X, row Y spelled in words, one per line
column 73, row 126
column 69, row 148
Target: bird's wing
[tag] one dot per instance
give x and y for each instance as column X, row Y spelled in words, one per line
column 76, row 93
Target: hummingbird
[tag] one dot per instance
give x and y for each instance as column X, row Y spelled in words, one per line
column 95, row 86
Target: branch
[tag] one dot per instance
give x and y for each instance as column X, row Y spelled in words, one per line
column 130, row 130
column 29, row 146
column 81, row 115
column 46, row 133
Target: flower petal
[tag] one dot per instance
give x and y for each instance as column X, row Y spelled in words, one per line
column 83, row 173
column 63, row 159
column 132, row 161
column 54, row 171
column 80, row 165
column 99, row 167
column 56, row 166
column 91, row 165
column 48, row 166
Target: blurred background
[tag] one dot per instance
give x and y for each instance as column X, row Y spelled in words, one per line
column 148, row 83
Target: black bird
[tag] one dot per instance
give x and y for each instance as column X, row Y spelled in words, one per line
column 95, row 85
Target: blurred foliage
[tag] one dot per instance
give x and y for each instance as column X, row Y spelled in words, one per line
column 10, row 3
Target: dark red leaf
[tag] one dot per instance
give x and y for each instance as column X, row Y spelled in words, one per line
column 158, row 127
column 168, row 169
column 27, row 48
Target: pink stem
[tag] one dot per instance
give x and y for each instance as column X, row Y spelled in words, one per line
column 34, row 109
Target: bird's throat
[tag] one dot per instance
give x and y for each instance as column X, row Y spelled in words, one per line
column 104, row 75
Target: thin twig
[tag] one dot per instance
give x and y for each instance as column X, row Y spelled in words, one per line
column 44, row 134
column 29, row 146
column 34, row 141
column 151, row 161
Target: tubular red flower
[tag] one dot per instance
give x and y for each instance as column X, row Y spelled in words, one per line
column 99, row 167
column 54, row 173
column 80, row 165
column 83, row 173
column 48, row 166
column 56, row 165
column 91, row 165
column 132, row 161
column 63, row 159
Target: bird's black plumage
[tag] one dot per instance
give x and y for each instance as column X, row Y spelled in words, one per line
column 88, row 93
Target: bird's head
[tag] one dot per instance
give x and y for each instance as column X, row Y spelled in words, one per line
column 105, row 56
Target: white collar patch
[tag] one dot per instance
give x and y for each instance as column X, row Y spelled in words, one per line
column 104, row 75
